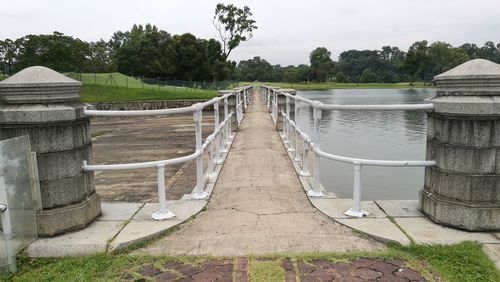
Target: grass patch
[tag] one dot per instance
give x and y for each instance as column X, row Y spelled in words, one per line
column 330, row 85
column 98, row 93
column 266, row 271
column 461, row 262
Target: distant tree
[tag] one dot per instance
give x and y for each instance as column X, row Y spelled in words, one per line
column 234, row 26
column 340, row 77
column 418, row 60
column 368, row 76
column 254, row 69
column 56, row 51
column 101, row 58
column 303, row 73
column 8, row 56
column 444, row 57
column 472, row 50
column 290, row 74
column 321, row 63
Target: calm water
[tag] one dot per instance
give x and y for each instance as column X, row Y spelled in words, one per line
column 393, row 135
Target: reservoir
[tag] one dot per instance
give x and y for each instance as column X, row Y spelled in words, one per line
column 383, row 135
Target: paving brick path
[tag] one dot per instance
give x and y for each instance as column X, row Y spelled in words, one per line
column 314, row 270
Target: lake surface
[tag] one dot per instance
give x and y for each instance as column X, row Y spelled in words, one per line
column 395, row 135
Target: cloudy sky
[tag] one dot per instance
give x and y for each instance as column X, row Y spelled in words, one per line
column 288, row 30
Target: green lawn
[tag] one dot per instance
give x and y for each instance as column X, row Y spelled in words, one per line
column 99, row 93
column 116, row 79
column 122, row 80
column 330, row 85
column 462, row 262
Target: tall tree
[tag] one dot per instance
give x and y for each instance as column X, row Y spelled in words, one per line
column 234, row 26
column 8, row 56
column 321, row 63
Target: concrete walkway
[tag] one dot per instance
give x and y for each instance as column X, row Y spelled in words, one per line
column 258, row 205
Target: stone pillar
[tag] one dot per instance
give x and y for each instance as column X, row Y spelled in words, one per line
column 282, row 107
column 463, row 136
column 45, row 105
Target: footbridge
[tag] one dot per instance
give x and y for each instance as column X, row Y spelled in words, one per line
column 258, row 185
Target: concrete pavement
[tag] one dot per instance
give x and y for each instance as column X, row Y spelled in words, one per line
column 258, row 206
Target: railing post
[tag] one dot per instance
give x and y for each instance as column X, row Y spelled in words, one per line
column 211, row 162
column 218, row 138
column 238, row 107
column 286, row 127
column 296, row 137
column 227, row 127
column 245, row 98
column 356, row 210
column 268, row 93
column 297, row 134
column 316, row 189
column 163, row 213
column 199, row 192
column 305, row 152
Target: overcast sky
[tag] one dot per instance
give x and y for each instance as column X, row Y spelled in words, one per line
column 288, row 30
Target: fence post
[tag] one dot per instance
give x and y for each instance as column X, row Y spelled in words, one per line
column 316, row 189
column 199, row 192
column 163, row 212
column 356, row 210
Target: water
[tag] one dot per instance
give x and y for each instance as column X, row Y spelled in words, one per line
column 395, row 135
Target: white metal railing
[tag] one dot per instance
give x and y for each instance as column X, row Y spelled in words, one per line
column 214, row 145
column 292, row 134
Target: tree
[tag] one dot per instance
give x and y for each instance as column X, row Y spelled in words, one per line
column 8, row 55
column 234, row 26
column 321, row 64
column 417, row 61
column 290, row 74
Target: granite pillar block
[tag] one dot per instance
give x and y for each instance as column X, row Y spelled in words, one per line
column 463, row 189
column 45, row 105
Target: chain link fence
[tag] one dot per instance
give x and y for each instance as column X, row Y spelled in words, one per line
column 120, row 80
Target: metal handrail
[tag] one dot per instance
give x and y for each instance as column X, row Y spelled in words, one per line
column 270, row 98
column 222, row 130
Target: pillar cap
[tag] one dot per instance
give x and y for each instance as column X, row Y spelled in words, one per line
column 473, row 69
column 473, row 78
column 38, row 85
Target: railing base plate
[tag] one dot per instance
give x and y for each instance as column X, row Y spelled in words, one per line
column 162, row 216
column 312, row 193
column 354, row 213
column 304, row 173
column 199, row 195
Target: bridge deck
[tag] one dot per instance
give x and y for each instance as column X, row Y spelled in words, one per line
column 258, row 205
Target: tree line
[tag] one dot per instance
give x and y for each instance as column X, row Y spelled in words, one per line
column 144, row 51
column 147, row 51
column 421, row 62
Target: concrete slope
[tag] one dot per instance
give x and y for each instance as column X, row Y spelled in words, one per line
column 258, row 205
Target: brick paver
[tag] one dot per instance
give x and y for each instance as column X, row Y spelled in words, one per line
column 313, row 270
